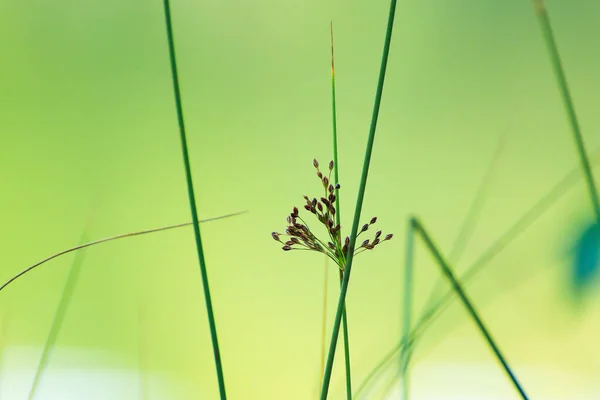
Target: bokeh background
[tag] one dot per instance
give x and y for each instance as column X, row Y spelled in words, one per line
column 88, row 134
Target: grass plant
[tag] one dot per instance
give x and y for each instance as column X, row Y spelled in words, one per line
column 326, row 209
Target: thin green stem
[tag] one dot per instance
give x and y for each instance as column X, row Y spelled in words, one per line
column 337, row 217
column 192, row 199
column 561, row 78
column 108, row 239
column 324, row 322
column 447, row 271
column 59, row 316
column 346, row 346
column 359, row 202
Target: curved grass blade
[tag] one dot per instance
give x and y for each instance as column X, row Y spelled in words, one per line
column 192, row 199
column 525, row 221
column 359, row 201
column 59, row 316
column 561, row 78
column 108, row 239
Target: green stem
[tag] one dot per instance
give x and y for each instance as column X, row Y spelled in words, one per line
column 337, row 218
column 446, row 270
column 359, row 202
column 568, row 102
column 192, row 200
column 346, row 347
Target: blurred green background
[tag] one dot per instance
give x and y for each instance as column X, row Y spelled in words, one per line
column 88, row 131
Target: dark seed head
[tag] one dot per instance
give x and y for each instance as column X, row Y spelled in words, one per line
column 377, row 234
column 388, row 236
column 296, row 211
column 332, row 197
column 347, row 241
column 365, row 243
column 294, row 240
column 320, row 175
column 314, row 202
column 289, row 243
column 330, row 188
column 337, row 186
column 373, row 220
column 275, row 236
column 316, row 163
column 286, row 248
column 307, row 206
column 331, row 245
column 325, row 181
column 365, row 227
column 331, row 165
column 320, row 207
column 375, row 242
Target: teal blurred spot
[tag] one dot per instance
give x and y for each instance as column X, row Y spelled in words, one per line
column 586, row 256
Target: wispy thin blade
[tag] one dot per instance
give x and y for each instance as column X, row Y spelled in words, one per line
column 108, row 239
column 59, row 316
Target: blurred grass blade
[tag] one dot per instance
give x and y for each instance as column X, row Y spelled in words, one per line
column 192, row 199
column 337, row 217
column 359, row 201
column 512, row 233
column 462, row 239
column 108, row 239
column 447, row 271
column 59, row 315
column 561, row 78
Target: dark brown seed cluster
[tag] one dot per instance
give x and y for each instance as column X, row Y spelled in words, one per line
column 301, row 237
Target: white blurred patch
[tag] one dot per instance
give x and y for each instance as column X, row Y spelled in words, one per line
column 76, row 374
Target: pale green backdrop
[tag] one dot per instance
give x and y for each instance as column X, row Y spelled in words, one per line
column 88, row 131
